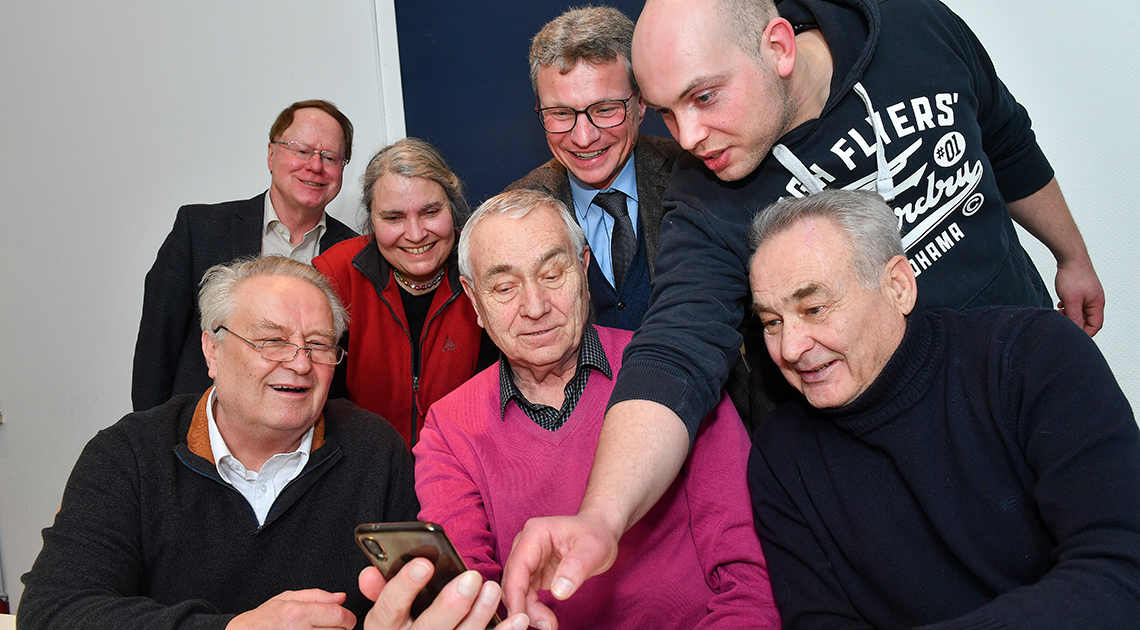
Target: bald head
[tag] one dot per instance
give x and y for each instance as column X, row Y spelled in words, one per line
column 742, row 22
column 716, row 71
column 665, row 29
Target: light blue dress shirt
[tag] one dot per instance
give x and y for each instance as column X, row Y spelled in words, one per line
column 597, row 223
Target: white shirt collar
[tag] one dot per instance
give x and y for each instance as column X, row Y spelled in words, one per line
column 583, row 193
column 224, row 459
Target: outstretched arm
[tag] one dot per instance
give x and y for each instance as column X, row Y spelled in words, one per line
column 1046, row 216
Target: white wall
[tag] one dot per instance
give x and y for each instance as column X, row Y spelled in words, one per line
column 1077, row 71
column 113, row 114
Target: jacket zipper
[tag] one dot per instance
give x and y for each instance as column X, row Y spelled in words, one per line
column 423, row 335
column 416, row 377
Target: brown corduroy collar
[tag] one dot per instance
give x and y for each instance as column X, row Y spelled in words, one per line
column 198, row 437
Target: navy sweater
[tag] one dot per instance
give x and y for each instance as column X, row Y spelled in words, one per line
column 958, row 145
column 989, row 478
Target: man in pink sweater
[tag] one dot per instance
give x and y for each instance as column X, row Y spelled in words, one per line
column 517, row 441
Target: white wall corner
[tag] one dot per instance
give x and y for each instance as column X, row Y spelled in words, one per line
column 391, row 97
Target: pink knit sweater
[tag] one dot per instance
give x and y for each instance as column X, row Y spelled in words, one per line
column 693, row 561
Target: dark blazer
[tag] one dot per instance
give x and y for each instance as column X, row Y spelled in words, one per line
column 653, row 160
column 168, row 353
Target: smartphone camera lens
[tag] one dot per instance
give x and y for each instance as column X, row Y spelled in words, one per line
column 375, row 549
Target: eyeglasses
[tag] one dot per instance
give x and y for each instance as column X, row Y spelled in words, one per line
column 284, row 351
column 305, row 153
column 603, row 115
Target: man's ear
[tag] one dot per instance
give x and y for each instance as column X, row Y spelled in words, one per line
column 586, row 258
column 465, row 282
column 269, row 157
column 778, row 46
column 210, row 349
column 901, row 285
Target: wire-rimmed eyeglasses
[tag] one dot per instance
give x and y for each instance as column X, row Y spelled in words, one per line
column 305, row 153
column 285, row 351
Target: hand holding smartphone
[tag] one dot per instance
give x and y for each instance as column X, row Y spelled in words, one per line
column 392, row 545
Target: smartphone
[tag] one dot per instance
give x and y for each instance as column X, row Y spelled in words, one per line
column 392, row 545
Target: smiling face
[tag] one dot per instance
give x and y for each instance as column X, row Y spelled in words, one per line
column 413, row 225
column 529, row 289
column 267, row 401
column 305, row 187
column 829, row 335
column 595, row 156
column 720, row 103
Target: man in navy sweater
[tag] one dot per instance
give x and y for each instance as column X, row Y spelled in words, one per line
column 943, row 469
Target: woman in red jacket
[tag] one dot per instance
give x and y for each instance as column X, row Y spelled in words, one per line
column 413, row 336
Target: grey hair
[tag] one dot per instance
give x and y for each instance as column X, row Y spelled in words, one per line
column 868, row 221
column 591, row 34
column 518, row 204
column 745, row 21
column 217, row 297
column 412, row 157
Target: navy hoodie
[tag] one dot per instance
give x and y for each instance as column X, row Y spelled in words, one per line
column 955, row 146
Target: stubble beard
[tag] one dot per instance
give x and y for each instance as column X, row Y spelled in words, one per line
column 755, row 153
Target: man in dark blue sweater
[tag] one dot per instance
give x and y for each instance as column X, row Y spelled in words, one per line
column 943, row 469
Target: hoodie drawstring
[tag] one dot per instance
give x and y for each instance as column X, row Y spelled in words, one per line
column 884, row 182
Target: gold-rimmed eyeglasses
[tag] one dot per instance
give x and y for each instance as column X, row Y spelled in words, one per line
column 285, row 351
column 305, row 153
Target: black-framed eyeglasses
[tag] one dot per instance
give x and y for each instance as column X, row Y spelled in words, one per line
column 603, row 115
column 284, row 351
column 305, row 153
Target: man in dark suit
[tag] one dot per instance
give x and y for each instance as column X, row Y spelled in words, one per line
column 590, row 107
column 309, row 144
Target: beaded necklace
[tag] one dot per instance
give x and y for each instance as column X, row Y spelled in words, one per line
column 420, row 287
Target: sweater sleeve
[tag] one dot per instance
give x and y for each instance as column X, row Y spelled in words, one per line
column 450, row 496
column 91, row 572
column 723, row 532
column 1080, row 440
column 1020, row 166
column 168, row 313
column 681, row 354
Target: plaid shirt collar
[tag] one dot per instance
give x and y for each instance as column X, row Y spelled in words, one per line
column 590, row 356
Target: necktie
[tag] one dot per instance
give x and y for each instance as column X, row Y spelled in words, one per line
column 623, row 243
